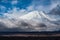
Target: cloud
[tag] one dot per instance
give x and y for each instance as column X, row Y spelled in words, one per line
column 54, row 3
column 15, row 13
column 14, row 2
column 1, row 9
column 39, row 5
column 11, row 20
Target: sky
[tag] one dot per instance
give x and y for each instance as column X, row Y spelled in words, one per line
column 44, row 5
column 11, row 10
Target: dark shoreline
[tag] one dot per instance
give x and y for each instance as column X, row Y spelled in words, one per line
column 32, row 33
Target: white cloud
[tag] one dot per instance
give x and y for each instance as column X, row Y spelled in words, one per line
column 30, row 8
column 37, row 5
column 13, row 21
column 54, row 4
column 15, row 13
column 14, row 2
column 2, row 8
column 12, row 18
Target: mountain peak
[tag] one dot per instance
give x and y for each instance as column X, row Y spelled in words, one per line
column 58, row 6
column 55, row 11
column 31, row 15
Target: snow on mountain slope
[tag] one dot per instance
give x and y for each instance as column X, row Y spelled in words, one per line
column 29, row 22
column 36, row 15
column 31, row 15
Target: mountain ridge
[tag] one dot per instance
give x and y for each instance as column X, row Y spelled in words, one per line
column 55, row 11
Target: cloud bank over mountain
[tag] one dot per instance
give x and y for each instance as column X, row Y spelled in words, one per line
column 28, row 18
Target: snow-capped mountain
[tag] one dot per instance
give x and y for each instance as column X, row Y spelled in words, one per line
column 36, row 15
column 34, row 20
column 31, row 15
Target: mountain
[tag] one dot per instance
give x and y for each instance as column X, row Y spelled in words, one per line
column 31, row 15
column 30, row 25
column 55, row 11
column 36, row 15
